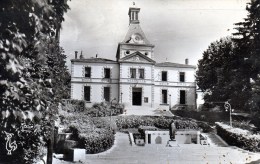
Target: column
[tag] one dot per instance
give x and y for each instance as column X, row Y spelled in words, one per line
column 198, row 137
column 146, row 138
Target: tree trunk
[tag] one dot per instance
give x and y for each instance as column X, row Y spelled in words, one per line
column 50, row 147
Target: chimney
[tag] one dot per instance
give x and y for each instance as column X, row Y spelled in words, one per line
column 76, row 54
column 81, row 55
column 186, row 61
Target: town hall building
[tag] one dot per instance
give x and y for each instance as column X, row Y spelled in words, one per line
column 134, row 78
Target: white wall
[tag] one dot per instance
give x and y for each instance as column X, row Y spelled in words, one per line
column 76, row 91
column 173, row 74
column 151, row 84
column 165, row 136
column 125, row 70
column 97, row 69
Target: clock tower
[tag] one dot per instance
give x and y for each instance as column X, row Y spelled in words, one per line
column 135, row 39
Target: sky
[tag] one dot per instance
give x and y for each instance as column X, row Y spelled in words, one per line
column 179, row 29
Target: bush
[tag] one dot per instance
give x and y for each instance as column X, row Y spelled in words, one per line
column 104, row 109
column 124, row 122
column 105, row 122
column 205, row 126
column 91, row 133
column 238, row 137
column 98, row 141
column 163, row 123
column 186, row 124
column 70, row 105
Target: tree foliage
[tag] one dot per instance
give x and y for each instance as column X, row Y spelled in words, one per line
column 27, row 30
column 229, row 66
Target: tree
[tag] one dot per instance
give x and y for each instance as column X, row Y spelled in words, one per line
column 27, row 28
column 237, row 79
column 219, row 74
column 247, row 38
column 60, row 75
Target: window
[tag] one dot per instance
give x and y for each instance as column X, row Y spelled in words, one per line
column 133, row 72
column 182, row 76
column 182, row 97
column 107, row 94
column 141, row 73
column 164, row 76
column 88, row 72
column 164, row 96
column 87, row 93
column 107, row 73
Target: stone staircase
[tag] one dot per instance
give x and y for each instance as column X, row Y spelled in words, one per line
column 123, row 153
column 215, row 140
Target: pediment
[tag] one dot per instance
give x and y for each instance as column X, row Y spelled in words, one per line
column 136, row 57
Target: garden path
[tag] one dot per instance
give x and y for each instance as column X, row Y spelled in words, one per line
column 123, row 153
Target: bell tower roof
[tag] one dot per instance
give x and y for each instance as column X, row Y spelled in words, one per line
column 133, row 15
column 135, row 33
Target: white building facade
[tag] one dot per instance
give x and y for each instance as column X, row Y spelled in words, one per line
column 135, row 78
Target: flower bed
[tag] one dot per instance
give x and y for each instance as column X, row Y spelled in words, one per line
column 238, row 137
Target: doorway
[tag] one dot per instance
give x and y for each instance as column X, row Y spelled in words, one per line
column 137, row 96
column 182, row 97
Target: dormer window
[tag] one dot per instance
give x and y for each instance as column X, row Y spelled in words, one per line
column 88, row 72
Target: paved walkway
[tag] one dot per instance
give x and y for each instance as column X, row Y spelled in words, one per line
column 123, row 153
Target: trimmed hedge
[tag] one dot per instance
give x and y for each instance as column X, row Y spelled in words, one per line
column 93, row 134
column 98, row 141
column 238, row 137
column 124, row 122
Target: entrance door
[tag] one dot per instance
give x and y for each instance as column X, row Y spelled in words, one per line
column 182, row 97
column 137, row 96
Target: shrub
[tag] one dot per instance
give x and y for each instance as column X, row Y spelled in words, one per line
column 104, row 122
column 70, row 105
column 162, row 122
column 128, row 122
column 186, row 124
column 124, row 122
column 205, row 126
column 98, row 141
column 91, row 133
column 238, row 137
column 244, row 125
column 104, row 109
